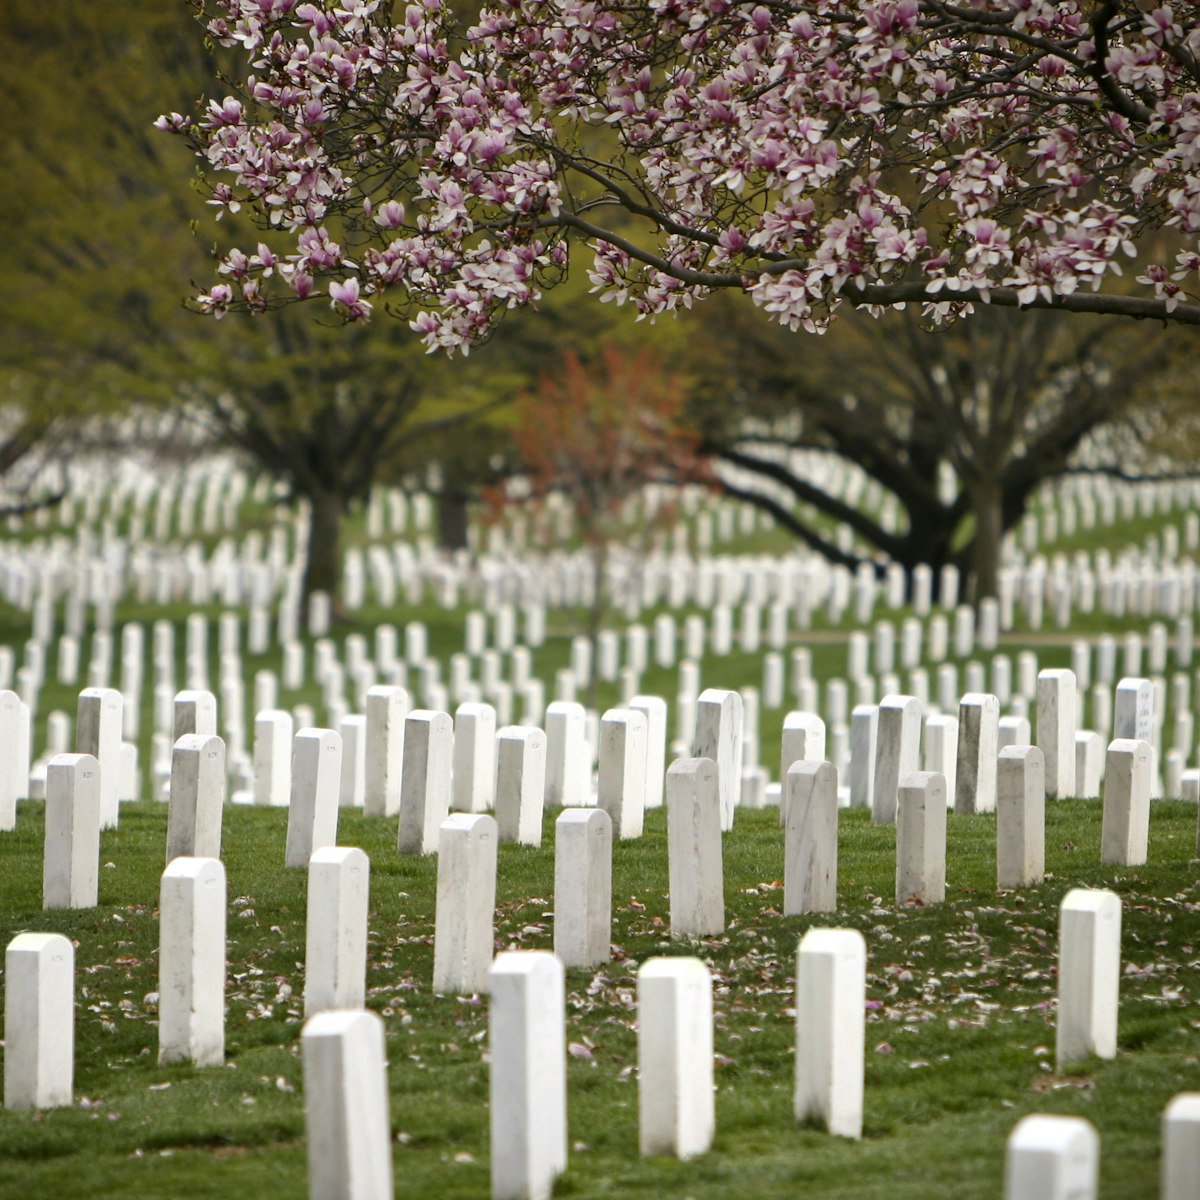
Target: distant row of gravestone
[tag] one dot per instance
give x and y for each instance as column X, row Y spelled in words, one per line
column 363, row 674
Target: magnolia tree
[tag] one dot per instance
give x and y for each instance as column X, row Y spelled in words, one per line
column 873, row 153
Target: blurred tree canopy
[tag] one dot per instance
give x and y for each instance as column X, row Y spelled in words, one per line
column 107, row 236
column 102, row 252
column 1006, row 400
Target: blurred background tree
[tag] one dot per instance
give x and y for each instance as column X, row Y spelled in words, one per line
column 596, row 434
column 959, row 425
column 100, row 259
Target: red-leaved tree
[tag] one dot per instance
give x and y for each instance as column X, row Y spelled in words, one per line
column 598, row 435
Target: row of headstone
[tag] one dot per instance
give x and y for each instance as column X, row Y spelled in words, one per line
column 333, row 677
column 316, row 785
column 375, row 747
column 346, row 1090
column 266, row 693
column 1174, row 595
column 81, row 575
column 192, row 948
column 108, row 488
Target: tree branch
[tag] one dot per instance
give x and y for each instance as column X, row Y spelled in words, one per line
column 1098, row 70
column 858, row 521
column 1103, row 303
column 1125, row 476
column 796, row 527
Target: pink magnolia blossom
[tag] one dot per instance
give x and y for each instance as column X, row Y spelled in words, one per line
column 173, row 123
column 874, row 152
column 390, row 214
column 216, row 301
column 344, row 297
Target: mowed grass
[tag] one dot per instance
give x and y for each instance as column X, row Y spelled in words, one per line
column 960, row 1033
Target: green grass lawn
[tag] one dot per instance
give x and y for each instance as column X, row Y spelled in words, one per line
column 960, row 1033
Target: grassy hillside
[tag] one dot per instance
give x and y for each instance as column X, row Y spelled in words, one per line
column 960, row 1031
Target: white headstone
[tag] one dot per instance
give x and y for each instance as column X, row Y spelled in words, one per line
column 941, row 751
column 528, row 1075
column 39, row 1021
column 273, row 758
column 131, row 778
column 520, row 784
column 191, row 963
column 425, row 780
column 1125, row 830
column 975, row 768
column 989, row 623
column 197, row 798
column 195, row 712
column 352, row 787
column 473, row 782
column 677, row 1115
column 608, row 655
column 1180, row 1170
column 664, row 640
column 719, row 737
column 622, row 770
column 1056, row 730
column 466, row 903
column 387, row 707
column 1020, row 817
column 1089, row 764
column 568, row 760
column 1089, row 971
column 921, row 838
column 803, row 740
column 721, row 630
column 897, row 753
column 938, row 637
column 772, row 680
column 12, row 785
column 864, row 730
column 346, row 1107
column 810, row 842
column 1013, row 731
column 72, row 847
column 695, row 871
column 1002, row 678
column 316, row 781
column 885, row 647
column 583, row 887
column 831, row 968
column 1133, row 713
column 947, row 687
column 335, row 959
column 1052, row 1158
column 98, row 733
column 654, row 709
column 922, row 589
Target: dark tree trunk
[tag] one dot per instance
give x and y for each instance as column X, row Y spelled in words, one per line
column 453, row 520
column 322, row 571
column 987, row 505
column 928, row 544
column 595, row 618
